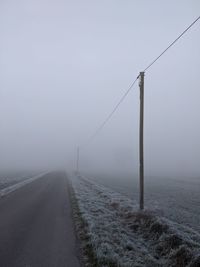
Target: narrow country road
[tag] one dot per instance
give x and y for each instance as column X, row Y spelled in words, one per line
column 36, row 227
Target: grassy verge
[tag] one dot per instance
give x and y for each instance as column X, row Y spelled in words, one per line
column 88, row 257
column 114, row 233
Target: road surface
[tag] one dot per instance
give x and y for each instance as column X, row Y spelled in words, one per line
column 36, row 227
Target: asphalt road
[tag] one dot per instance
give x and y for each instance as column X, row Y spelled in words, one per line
column 36, row 227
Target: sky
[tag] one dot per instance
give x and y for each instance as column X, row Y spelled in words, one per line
column 65, row 64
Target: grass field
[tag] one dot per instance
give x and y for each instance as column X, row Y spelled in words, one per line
column 120, row 235
column 175, row 198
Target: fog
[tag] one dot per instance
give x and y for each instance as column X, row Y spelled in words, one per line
column 65, row 64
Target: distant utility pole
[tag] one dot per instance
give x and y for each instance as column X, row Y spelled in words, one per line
column 141, row 140
column 77, row 160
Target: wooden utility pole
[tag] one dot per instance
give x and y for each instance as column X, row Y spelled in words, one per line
column 141, row 140
column 77, row 160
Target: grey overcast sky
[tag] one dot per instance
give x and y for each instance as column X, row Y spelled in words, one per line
column 65, row 64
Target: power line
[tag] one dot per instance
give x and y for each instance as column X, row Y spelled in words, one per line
column 172, row 43
column 129, row 89
column 113, row 111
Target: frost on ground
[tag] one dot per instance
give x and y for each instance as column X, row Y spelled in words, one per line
column 120, row 235
column 10, row 178
column 176, row 198
column 21, row 182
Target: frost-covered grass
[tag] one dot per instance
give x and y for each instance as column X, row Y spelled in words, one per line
column 17, row 183
column 8, row 178
column 175, row 198
column 120, row 235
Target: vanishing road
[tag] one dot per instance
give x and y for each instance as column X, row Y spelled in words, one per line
column 36, row 227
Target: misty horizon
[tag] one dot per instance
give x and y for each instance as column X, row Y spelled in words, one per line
column 63, row 67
